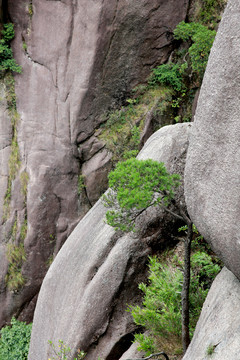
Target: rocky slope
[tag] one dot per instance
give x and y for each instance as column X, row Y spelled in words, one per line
column 217, row 333
column 78, row 58
column 84, row 296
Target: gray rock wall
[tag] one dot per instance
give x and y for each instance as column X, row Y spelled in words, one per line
column 79, row 58
column 218, row 325
column 212, row 182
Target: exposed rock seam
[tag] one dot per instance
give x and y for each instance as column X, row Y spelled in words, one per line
column 114, row 304
column 97, row 266
column 110, row 42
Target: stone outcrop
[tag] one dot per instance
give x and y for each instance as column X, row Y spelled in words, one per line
column 212, row 182
column 79, row 59
column 217, row 334
column 85, row 293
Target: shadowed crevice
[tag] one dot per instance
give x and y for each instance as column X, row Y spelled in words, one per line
column 121, row 347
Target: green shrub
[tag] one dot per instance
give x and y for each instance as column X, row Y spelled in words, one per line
column 16, row 256
column 64, row 352
column 137, row 185
column 208, row 12
column 160, row 313
column 210, row 350
column 15, row 340
column 167, row 74
column 201, row 39
column 122, row 128
column 185, row 31
column 7, row 62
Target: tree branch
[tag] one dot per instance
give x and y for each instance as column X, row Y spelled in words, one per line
column 174, row 214
column 153, row 355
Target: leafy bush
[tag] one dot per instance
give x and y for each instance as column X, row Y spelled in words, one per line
column 201, row 39
column 16, row 256
column 208, row 12
column 64, row 352
column 167, row 74
column 160, row 313
column 7, row 62
column 185, row 31
column 15, row 340
column 121, row 129
column 200, row 49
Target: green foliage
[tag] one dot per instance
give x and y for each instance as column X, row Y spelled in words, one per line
column 24, row 179
column 24, row 46
column 203, row 269
column 14, row 159
column 118, row 132
column 30, row 9
column 13, row 166
column 81, row 184
column 121, row 128
column 23, row 230
column 186, row 71
column 200, row 49
column 198, row 242
column 64, row 352
column 208, row 12
column 185, row 31
column 160, row 313
column 10, row 93
column 16, row 256
column 201, row 42
column 133, row 144
column 6, row 55
column 210, row 350
column 134, row 186
column 15, row 340
column 167, row 74
column 146, row 342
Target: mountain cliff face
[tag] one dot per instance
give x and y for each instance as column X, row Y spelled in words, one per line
column 78, row 59
column 212, row 197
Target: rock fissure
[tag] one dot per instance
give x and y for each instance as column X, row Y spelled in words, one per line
column 111, row 39
column 70, row 39
column 41, row 64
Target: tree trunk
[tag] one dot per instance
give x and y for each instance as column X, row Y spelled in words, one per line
column 185, row 289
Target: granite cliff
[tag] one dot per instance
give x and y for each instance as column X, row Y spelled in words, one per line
column 78, row 59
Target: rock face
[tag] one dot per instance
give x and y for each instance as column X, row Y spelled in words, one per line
column 78, row 58
column 218, row 325
column 85, row 293
column 212, row 182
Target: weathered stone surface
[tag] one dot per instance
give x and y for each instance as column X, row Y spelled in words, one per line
column 78, row 58
column 218, row 325
column 85, row 293
column 132, row 353
column 212, row 181
column 5, row 150
column 5, row 144
column 90, row 148
column 95, row 174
